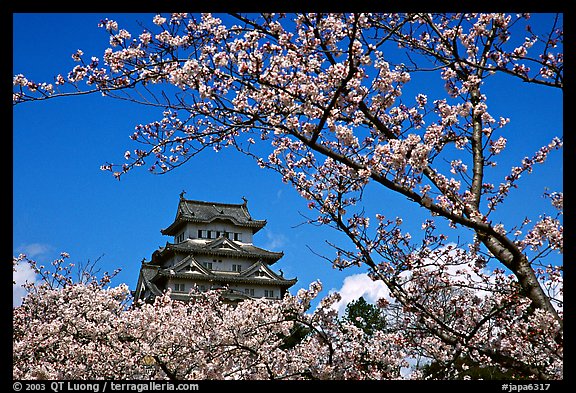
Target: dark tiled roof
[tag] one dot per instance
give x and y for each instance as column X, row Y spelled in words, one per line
column 248, row 276
column 239, row 250
column 147, row 275
column 227, row 279
column 205, row 212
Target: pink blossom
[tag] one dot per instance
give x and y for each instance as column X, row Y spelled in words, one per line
column 159, row 20
column 497, row 146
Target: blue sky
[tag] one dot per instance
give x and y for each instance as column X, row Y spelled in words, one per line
column 62, row 201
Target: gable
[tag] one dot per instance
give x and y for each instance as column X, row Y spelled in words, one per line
column 223, row 243
column 259, row 270
column 189, row 265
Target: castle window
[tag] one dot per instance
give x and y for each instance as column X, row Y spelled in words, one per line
column 268, row 293
column 202, row 234
column 179, row 287
column 207, row 264
column 238, row 237
column 180, row 238
column 237, row 268
column 249, row 291
column 210, row 235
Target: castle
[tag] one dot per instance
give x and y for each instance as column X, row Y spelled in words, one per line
column 212, row 248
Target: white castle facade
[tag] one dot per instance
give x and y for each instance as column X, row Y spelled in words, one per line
column 212, row 248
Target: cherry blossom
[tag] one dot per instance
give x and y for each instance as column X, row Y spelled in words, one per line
column 88, row 330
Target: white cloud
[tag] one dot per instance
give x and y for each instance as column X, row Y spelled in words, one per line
column 279, row 195
column 556, row 292
column 358, row 285
column 34, row 250
column 23, row 274
column 275, row 241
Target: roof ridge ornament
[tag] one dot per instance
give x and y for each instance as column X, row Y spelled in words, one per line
column 185, row 205
column 245, row 208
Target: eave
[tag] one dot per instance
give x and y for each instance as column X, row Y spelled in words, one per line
column 230, row 279
column 241, row 251
column 181, row 220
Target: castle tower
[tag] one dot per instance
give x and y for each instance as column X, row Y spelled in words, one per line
column 212, row 248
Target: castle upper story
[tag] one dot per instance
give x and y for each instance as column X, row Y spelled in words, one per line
column 209, row 220
column 212, row 248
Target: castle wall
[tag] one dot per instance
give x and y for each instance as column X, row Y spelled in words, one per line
column 217, row 227
column 253, row 290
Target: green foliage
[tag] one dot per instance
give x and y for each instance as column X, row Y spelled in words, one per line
column 365, row 316
column 467, row 368
column 297, row 334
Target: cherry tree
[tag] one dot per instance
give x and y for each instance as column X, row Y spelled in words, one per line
column 86, row 330
column 318, row 99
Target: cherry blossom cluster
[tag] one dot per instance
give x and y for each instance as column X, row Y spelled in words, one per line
column 480, row 314
column 465, row 35
column 86, row 331
column 548, row 230
column 527, row 166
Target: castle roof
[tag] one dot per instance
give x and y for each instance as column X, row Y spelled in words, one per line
column 180, row 260
column 258, row 273
column 207, row 212
column 217, row 247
